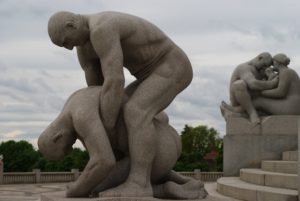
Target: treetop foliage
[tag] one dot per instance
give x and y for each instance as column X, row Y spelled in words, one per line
column 22, row 157
column 198, row 144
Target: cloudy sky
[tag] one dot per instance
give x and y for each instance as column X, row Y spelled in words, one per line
column 36, row 77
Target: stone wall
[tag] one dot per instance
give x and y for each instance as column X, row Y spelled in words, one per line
column 246, row 145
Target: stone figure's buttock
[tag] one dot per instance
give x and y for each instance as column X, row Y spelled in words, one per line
column 291, row 105
column 150, row 66
column 175, row 66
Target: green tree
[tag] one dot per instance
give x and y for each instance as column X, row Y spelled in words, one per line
column 22, row 157
column 18, row 156
column 77, row 159
column 197, row 142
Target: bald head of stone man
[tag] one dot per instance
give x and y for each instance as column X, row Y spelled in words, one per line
column 67, row 29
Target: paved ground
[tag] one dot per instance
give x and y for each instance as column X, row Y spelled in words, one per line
column 27, row 192
column 31, row 192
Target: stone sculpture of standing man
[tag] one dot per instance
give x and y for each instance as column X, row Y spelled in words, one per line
column 105, row 43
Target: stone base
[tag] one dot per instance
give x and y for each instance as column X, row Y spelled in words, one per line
column 270, row 125
column 60, row 196
column 246, row 145
column 248, row 151
column 236, row 188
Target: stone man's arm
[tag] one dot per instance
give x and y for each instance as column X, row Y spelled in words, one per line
column 255, row 84
column 108, row 47
column 283, row 87
column 92, row 69
column 101, row 160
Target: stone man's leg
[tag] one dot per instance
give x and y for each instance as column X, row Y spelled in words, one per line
column 152, row 96
column 176, row 186
column 102, row 160
column 115, row 177
column 241, row 94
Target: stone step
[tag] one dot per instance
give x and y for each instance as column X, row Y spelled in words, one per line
column 266, row 178
column 289, row 167
column 290, row 156
column 236, row 188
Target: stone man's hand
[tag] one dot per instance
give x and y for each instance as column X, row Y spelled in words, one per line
column 73, row 190
column 274, row 81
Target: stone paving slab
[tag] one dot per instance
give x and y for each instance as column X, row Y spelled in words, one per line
column 290, row 167
column 210, row 187
column 234, row 187
column 27, row 192
column 290, row 156
column 32, row 192
column 60, row 196
column 267, row 178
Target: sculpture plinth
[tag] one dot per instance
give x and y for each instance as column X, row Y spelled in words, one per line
column 246, row 145
column 60, row 196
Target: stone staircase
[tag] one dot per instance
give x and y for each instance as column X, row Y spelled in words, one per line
column 275, row 181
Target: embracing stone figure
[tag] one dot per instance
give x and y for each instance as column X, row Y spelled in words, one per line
column 284, row 99
column 106, row 42
column 256, row 88
column 109, row 162
column 246, row 82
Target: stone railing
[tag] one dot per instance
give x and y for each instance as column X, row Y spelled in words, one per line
column 19, row 178
column 36, row 176
column 204, row 176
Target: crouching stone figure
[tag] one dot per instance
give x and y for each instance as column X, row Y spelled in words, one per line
column 109, row 162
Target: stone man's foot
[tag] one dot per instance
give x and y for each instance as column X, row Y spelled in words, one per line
column 193, row 189
column 254, row 119
column 128, row 189
column 236, row 111
column 228, row 113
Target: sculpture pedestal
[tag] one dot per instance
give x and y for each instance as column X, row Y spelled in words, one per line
column 60, row 196
column 246, row 145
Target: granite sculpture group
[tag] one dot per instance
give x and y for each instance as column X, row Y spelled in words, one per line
column 131, row 145
column 256, row 89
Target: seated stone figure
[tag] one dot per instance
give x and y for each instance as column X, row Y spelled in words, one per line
column 109, row 162
column 281, row 100
column 285, row 98
column 246, row 83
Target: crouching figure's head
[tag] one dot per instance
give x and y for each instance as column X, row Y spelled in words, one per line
column 57, row 140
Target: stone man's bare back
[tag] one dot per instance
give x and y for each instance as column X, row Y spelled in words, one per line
column 243, row 71
column 142, row 43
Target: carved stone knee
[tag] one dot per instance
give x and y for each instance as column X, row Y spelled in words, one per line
column 133, row 115
column 239, row 85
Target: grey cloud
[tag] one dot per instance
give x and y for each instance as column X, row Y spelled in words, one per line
column 10, row 94
column 217, row 35
column 46, row 73
column 20, row 83
column 24, row 114
column 22, row 108
column 3, row 67
column 45, row 87
column 201, row 100
column 25, row 84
